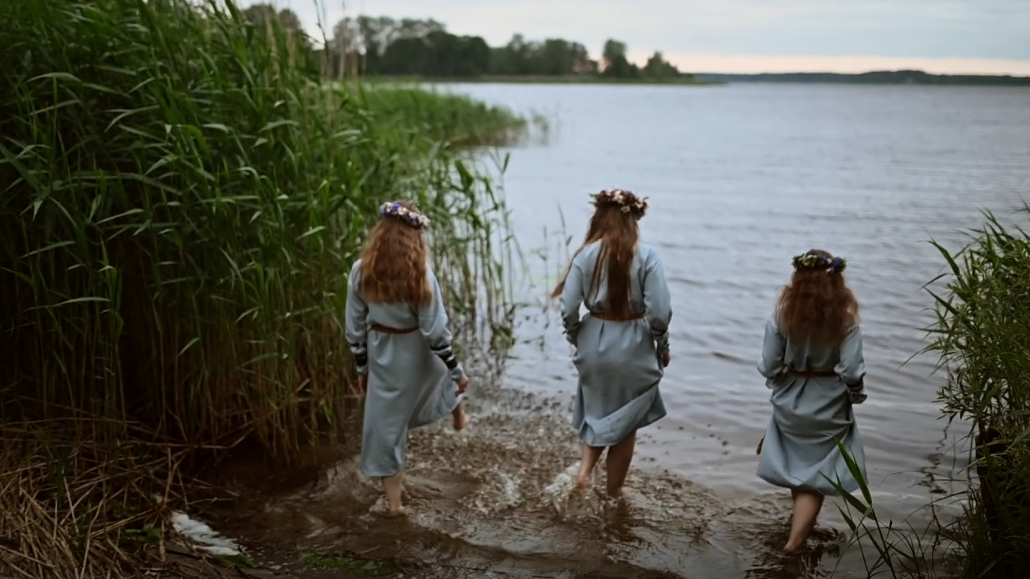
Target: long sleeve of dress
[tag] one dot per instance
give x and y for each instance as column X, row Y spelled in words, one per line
column 774, row 348
column 657, row 302
column 435, row 326
column 356, row 323
column 571, row 299
column 851, row 368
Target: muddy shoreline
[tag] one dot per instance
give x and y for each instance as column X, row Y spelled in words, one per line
column 496, row 500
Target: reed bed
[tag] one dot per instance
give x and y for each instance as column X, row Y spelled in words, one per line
column 982, row 335
column 183, row 198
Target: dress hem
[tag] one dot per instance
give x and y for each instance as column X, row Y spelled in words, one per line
column 643, row 424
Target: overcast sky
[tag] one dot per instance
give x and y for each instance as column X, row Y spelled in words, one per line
column 977, row 36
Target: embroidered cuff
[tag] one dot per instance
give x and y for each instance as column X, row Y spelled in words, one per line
column 446, row 354
column 856, row 392
column 360, row 354
column 662, row 342
column 457, row 373
column 571, row 332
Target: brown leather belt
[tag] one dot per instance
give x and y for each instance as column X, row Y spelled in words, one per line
column 610, row 317
column 812, row 373
column 388, row 330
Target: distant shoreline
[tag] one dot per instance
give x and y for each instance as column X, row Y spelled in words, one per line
column 901, row 77
column 546, row 79
column 882, row 77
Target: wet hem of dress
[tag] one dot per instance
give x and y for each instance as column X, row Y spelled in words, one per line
column 644, row 424
column 376, row 475
column 832, row 492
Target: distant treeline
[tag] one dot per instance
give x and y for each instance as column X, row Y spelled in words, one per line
column 383, row 46
column 412, row 48
column 877, row 77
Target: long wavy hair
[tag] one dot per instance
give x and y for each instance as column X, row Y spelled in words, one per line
column 817, row 305
column 618, row 232
column 393, row 264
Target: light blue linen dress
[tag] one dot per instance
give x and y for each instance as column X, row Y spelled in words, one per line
column 811, row 413
column 619, row 363
column 411, row 376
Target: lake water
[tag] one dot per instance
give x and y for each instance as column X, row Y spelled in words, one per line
column 740, row 179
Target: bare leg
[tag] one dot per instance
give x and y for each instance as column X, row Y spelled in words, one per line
column 461, row 419
column 619, row 458
column 806, row 509
column 394, row 485
column 591, row 454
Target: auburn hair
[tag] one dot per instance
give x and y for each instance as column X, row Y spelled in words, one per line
column 393, row 264
column 618, row 232
column 817, row 305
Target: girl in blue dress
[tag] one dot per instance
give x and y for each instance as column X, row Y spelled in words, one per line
column 399, row 336
column 812, row 361
column 622, row 344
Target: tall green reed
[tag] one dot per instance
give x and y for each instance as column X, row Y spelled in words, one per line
column 982, row 336
column 182, row 198
column 185, row 202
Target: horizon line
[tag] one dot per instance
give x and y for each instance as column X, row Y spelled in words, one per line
column 853, row 64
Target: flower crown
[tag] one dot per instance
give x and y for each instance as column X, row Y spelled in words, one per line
column 626, row 201
column 408, row 216
column 814, row 261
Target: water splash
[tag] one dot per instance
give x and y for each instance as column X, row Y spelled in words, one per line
column 203, row 536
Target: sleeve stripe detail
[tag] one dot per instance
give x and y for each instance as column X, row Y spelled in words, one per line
column 360, row 353
column 447, row 355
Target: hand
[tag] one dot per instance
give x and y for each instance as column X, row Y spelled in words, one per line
column 665, row 360
column 363, row 383
column 463, row 384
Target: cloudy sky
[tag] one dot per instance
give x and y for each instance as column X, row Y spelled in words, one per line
column 974, row 36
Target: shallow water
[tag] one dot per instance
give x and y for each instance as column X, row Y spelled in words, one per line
column 740, row 179
column 498, row 498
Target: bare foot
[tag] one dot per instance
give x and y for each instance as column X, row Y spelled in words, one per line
column 461, row 420
column 583, row 477
column 793, row 547
column 398, row 512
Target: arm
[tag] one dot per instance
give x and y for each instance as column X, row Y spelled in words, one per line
column 773, row 349
column 851, row 368
column 356, row 324
column 657, row 302
column 434, row 325
column 570, row 301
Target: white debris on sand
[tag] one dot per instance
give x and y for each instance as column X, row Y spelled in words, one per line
column 204, row 537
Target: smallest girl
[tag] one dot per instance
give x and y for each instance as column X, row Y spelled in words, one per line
column 813, row 363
